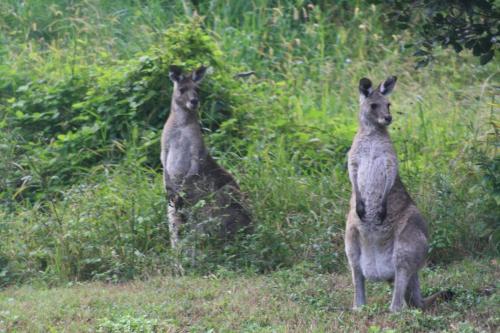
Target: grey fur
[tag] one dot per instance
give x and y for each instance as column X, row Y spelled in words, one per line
column 386, row 236
column 190, row 174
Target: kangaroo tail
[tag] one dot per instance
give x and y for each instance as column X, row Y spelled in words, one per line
column 444, row 295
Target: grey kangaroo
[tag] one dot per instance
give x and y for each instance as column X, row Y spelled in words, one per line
column 386, row 236
column 190, row 174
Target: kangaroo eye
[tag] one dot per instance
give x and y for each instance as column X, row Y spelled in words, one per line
column 388, row 105
column 183, row 90
column 373, row 106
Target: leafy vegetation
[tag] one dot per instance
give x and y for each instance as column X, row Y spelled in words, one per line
column 84, row 93
column 459, row 24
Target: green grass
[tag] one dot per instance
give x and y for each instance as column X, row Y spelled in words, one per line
column 296, row 300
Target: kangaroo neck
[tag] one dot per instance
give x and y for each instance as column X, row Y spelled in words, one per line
column 372, row 130
column 182, row 117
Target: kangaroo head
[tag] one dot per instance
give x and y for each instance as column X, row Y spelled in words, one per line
column 185, row 93
column 375, row 107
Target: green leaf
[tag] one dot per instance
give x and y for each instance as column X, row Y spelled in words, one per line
column 485, row 58
column 457, row 47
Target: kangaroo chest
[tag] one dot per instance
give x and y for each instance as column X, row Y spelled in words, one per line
column 185, row 153
column 377, row 262
column 377, row 169
column 372, row 171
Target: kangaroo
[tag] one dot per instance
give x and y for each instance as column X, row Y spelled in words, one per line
column 386, row 236
column 190, row 174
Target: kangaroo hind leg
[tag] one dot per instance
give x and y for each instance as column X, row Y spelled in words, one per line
column 401, row 281
column 353, row 252
column 174, row 223
column 413, row 295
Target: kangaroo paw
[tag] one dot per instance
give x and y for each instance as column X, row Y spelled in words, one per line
column 360, row 208
column 383, row 212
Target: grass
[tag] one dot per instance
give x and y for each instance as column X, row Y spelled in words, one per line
column 295, row 300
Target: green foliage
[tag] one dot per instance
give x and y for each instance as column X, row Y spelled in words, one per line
column 190, row 47
column 460, row 25
column 112, row 238
column 128, row 324
column 63, row 128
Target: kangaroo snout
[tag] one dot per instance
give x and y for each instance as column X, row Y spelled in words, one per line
column 192, row 104
column 384, row 120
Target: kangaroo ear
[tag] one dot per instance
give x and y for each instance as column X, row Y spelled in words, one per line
column 175, row 73
column 199, row 73
column 389, row 84
column 365, row 87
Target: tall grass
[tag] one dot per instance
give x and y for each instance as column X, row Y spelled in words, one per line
column 284, row 133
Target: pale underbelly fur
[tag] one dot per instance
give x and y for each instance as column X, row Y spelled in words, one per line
column 377, row 259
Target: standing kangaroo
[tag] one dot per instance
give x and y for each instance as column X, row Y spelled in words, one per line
column 386, row 236
column 190, row 174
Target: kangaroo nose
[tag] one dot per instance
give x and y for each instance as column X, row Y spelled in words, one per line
column 194, row 101
column 388, row 119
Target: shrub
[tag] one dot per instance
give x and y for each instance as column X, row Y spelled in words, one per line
column 62, row 128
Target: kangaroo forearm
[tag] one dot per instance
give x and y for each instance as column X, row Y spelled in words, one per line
column 356, row 188
column 194, row 169
column 391, row 179
column 172, row 192
column 353, row 175
column 357, row 192
column 197, row 160
column 171, row 187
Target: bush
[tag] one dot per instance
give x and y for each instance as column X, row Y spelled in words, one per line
column 63, row 128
